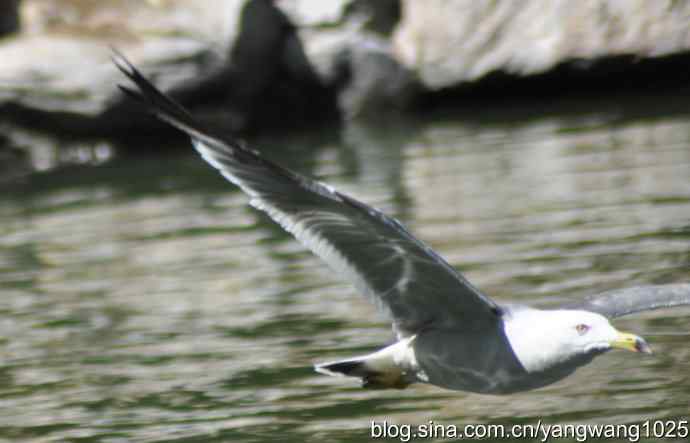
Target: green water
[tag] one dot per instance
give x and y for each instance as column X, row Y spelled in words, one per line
column 143, row 300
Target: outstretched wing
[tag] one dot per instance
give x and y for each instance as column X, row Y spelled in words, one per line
column 412, row 284
column 621, row 302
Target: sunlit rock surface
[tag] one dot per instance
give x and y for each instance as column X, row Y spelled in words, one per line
column 57, row 73
column 446, row 42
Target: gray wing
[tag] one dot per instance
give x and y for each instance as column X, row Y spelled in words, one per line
column 407, row 280
column 621, row 302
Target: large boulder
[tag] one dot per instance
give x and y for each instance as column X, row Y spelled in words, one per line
column 348, row 44
column 448, row 42
column 57, row 74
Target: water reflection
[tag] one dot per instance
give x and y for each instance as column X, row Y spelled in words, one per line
column 143, row 300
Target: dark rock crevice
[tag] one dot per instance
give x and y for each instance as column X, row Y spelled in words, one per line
column 626, row 77
column 9, row 17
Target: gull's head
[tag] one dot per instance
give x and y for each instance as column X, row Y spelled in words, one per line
column 542, row 339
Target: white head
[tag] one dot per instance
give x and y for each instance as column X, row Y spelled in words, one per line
column 544, row 339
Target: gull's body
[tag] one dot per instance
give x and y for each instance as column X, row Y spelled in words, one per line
column 449, row 333
column 507, row 355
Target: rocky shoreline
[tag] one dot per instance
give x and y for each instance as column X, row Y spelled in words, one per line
column 246, row 65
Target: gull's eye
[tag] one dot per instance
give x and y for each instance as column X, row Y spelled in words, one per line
column 582, row 328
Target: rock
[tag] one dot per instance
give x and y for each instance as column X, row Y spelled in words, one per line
column 14, row 162
column 448, row 42
column 269, row 72
column 376, row 81
column 348, row 44
column 9, row 17
column 315, row 13
column 379, row 16
column 57, row 74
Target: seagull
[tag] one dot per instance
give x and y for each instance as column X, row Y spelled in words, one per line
column 449, row 334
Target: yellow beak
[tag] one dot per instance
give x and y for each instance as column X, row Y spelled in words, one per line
column 631, row 342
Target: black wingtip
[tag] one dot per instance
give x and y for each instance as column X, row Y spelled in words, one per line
column 123, row 64
column 131, row 93
column 127, row 68
column 163, row 106
column 157, row 102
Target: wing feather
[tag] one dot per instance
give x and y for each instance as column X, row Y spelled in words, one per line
column 406, row 279
column 626, row 301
